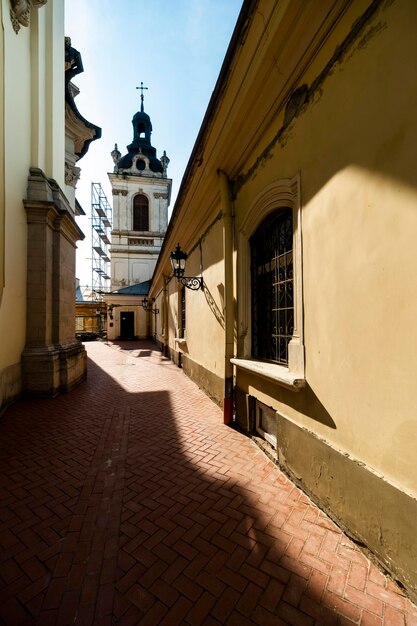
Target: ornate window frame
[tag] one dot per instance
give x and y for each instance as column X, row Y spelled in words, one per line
column 282, row 193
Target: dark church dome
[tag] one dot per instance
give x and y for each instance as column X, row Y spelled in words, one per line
column 141, row 144
column 142, row 117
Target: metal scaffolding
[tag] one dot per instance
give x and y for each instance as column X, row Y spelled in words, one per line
column 101, row 215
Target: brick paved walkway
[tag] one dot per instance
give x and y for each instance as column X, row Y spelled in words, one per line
column 128, row 502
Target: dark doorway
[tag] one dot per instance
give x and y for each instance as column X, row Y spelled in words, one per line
column 127, row 325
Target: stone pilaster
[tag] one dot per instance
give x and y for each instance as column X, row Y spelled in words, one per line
column 53, row 359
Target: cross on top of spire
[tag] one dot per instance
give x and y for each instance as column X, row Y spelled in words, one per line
column 142, row 88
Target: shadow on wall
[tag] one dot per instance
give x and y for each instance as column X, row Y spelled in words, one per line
column 132, row 503
column 307, row 403
column 213, row 305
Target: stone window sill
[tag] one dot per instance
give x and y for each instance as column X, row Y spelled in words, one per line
column 181, row 341
column 273, row 372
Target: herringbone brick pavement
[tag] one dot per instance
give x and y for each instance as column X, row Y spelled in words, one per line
column 127, row 501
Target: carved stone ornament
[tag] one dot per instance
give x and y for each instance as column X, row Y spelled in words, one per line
column 160, row 195
column 72, row 174
column 20, row 12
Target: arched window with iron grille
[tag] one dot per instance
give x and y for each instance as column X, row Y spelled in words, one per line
column 272, row 287
column 140, row 213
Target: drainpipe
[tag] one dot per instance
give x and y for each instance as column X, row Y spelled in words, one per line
column 227, row 208
column 165, row 311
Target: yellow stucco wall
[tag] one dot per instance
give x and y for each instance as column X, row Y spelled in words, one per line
column 34, row 55
column 2, row 189
column 354, row 147
column 351, row 429
column 205, row 340
column 17, row 116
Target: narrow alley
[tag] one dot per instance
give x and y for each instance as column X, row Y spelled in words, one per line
column 127, row 501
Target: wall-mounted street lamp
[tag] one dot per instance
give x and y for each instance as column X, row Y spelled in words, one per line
column 110, row 308
column 148, row 306
column 178, row 258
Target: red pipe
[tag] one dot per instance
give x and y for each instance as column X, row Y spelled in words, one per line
column 227, row 411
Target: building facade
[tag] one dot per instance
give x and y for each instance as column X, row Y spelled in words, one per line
column 42, row 137
column 298, row 211
column 141, row 195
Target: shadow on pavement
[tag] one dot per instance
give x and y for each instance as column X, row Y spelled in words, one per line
column 127, row 501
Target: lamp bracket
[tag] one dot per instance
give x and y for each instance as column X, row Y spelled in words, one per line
column 191, row 282
column 148, row 307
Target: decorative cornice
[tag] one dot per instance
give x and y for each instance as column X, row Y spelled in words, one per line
column 160, row 195
column 47, row 203
column 83, row 131
column 20, row 12
column 72, row 174
column 43, row 189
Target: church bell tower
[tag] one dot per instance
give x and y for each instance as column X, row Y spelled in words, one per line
column 141, row 196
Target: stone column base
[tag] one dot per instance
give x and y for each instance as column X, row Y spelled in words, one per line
column 50, row 370
column 73, row 365
column 10, row 384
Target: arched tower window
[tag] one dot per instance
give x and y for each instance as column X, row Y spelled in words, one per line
column 140, row 212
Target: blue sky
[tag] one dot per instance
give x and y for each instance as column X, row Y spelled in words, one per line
column 176, row 47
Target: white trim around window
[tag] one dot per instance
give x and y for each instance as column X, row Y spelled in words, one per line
column 282, row 193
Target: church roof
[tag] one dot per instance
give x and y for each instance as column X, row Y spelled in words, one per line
column 141, row 144
column 79, row 294
column 142, row 116
column 139, row 289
